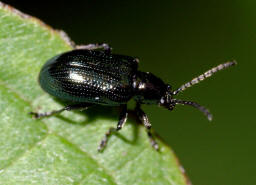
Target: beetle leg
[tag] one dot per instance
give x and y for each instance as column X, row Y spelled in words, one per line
column 54, row 112
column 102, row 46
column 120, row 124
column 144, row 119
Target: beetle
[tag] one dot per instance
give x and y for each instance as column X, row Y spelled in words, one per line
column 91, row 74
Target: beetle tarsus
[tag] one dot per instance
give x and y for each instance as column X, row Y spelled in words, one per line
column 153, row 141
column 120, row 124
column 35, row 115
column 104, row 141
column 144, row 119
column 38, row 115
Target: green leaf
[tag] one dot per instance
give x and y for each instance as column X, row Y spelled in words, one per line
column 63, row 149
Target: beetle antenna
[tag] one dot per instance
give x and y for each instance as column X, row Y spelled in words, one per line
column 205, row 75
column 196, row 105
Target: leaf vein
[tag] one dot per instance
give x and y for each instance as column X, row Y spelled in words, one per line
column 88, row 156
column 12, row 163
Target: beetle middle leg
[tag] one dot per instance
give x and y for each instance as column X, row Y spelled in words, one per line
column 102, row 46
column 144, row 119
column 54, row 112
column 120, row 124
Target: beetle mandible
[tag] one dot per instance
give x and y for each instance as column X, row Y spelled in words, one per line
column 91, row 74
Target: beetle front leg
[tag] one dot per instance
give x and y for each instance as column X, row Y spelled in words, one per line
column 144, row 119
column 54, row 112
column 102, row 46
column 120, row 124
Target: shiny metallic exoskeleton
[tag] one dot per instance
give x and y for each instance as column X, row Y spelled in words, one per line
column 93, row 75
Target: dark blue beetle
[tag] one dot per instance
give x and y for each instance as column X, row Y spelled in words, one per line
column 93, row 75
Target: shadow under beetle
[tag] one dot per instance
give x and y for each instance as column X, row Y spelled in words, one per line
column 91, row 74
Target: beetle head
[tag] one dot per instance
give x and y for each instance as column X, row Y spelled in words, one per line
column 148, row 88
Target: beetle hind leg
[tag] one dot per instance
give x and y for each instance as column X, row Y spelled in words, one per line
column 120, row 124
column 144, row 119
column 102, row 46
column 38, row 115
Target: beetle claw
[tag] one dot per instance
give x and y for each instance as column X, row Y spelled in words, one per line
column 35, row 115
column 155, row 145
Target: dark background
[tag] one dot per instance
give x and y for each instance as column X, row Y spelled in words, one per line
column 178, row 40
